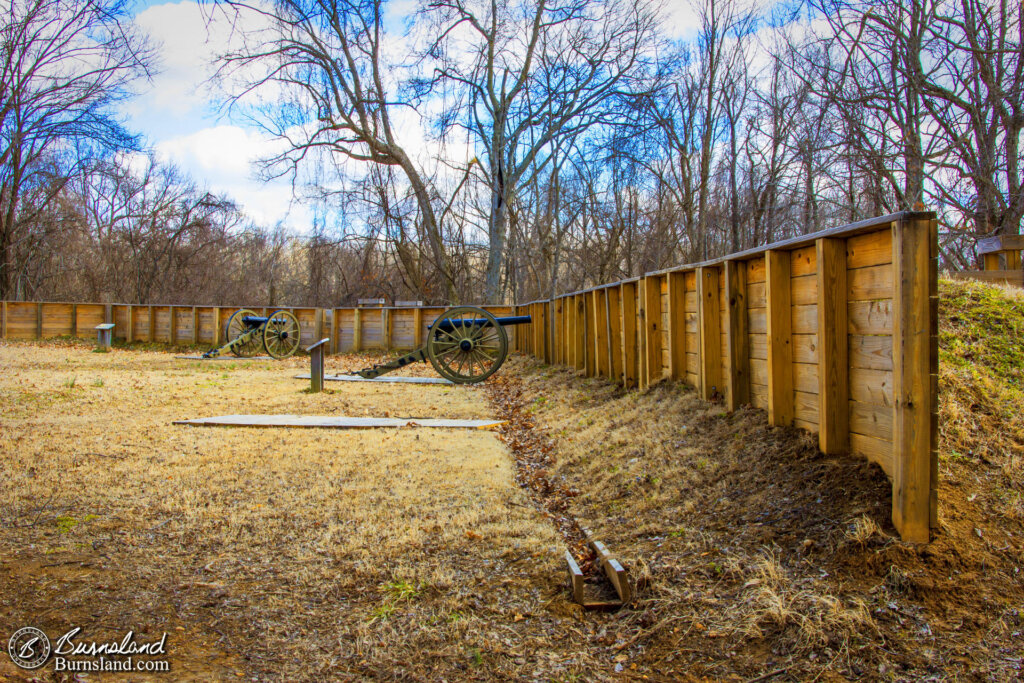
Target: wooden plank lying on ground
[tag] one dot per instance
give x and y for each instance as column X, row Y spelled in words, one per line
column 379, row 380
column 336, row 422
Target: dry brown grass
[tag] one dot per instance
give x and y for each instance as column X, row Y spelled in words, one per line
column 279, row 554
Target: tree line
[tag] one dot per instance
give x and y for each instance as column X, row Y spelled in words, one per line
column 487, row 150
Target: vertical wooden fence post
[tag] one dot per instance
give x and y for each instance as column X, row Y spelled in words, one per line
column 3, row 331
column 779, row 311
column 630, row 372
column 39, row 321
column 652, row 331
column 613, row 316
column 357, row 330
column 709, row 324
column 914, row 342
column 736, row 333
column 833, row 345
column 600, row 348
column 417, row 328
column 74, row 320
column 580, row 338
column 195, row 326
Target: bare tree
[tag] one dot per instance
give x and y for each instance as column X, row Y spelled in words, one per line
column 64, row 64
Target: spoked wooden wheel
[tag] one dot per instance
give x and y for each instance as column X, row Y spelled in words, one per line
column 467, row 345
column 281, row 334
column 235, row 328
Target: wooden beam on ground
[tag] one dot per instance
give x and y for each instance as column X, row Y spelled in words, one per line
column 778, row 307
column 710, row 333
column 833, row 347
column 676, row 332
column 737, row 337
column 651, row 373
column 915, row 365
column 630, row 369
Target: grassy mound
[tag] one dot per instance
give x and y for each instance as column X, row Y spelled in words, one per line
column 760, row 555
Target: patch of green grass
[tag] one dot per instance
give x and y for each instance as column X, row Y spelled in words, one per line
column 982, row 326
column 70, row 382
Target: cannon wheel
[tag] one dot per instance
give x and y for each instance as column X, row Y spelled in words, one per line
column 235, row 329
column 468, row 353
column 281, row 334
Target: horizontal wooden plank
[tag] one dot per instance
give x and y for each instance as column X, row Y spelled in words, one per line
column 805, row 319
column 756, row 295
column 758, row 371
column 805, row 377
column 755, row 270
column 872, row 352
column 758, row 345
column 870, row 317
column 868, row 418
column 869, row 249
column 803, row 261
column 803, row 290
column 873, row 282
column 805, row 348
column 757, row 321
column 871, row 386
column 805, row 406
column 875, row 450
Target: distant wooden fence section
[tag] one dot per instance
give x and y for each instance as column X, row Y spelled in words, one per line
column 350, row 329
column 1001, row 257
column 834, row 332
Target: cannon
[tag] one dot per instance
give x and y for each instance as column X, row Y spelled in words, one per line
column 278, row 334
column 464, row 344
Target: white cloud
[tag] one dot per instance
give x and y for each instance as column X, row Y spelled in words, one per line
column 222, row 158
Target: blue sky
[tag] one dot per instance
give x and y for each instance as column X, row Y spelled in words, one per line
column 177, row 114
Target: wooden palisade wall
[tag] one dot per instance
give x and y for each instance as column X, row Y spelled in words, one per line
column 350, row 329
column 835, row 333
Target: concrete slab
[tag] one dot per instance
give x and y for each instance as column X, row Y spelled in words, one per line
column 336, row 422
column 230, row 357
column 396, row 380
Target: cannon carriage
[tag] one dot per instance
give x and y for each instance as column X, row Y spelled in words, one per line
column 278, row 334
column 465, row 345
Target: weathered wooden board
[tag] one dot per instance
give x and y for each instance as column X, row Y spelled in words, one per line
column 336, row 422
column 383, row 380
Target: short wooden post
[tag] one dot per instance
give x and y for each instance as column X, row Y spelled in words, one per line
column 104, row 334
column 357, row 330
column 627, row 303
column 614, row 318
column 652, row 331
column 833, row 345
column 676, row 332
column 780, row 333
column 737, row 338
column 601, row 366
column 316, row 365
column 915, row 367
column 709, row 316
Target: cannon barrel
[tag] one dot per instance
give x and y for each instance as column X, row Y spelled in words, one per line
column 447, row 324
column 255, row 320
